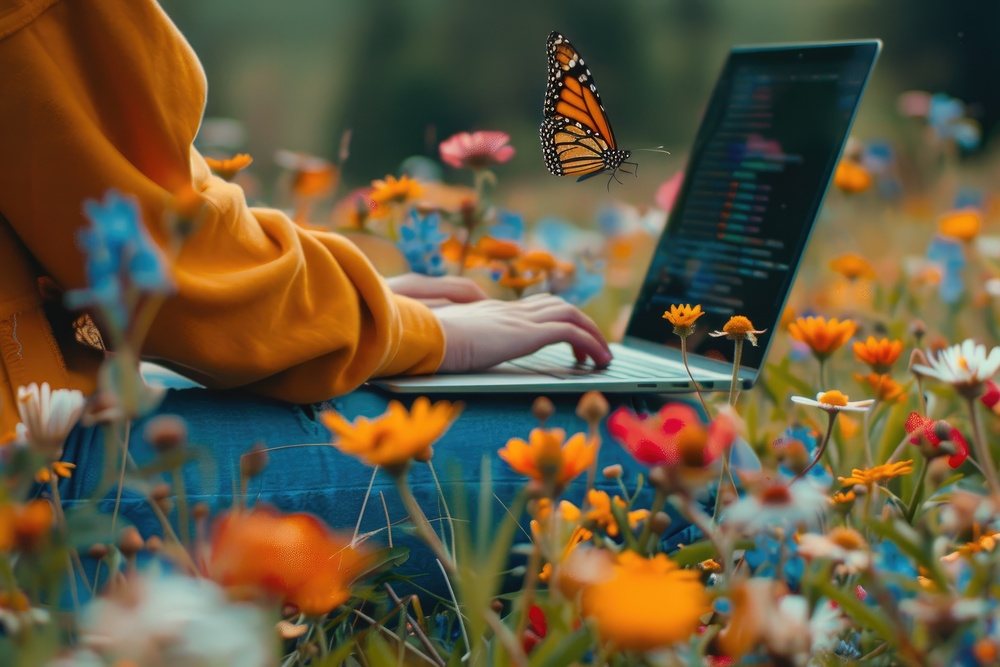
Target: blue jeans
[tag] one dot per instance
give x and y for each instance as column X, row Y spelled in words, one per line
column 317, row 478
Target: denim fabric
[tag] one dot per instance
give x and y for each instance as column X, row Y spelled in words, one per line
column 317, row 478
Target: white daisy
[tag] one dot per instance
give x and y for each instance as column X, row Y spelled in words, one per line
column 777, row 505
column 844, row 546
column 47, row 416
column 834, row 401
column 963, row 366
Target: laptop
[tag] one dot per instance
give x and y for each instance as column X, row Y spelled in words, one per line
column 761, row 164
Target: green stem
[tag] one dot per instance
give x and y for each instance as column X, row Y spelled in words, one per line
column 911, row 508
column 321, row 638
column 697, row 388
column 421, row 524
column 737, row 357
column 659, row 500
column 183, row 520
column 982, row 449
column 822, row 447
column 822, row 373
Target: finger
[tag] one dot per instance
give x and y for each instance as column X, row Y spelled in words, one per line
column 463, row 290
column 561, row 311
column 581, row 340
column 579, row 355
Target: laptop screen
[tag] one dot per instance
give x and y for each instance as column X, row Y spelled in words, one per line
column 762, row 161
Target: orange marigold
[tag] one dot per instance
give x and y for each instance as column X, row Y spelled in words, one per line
column 822, row 336
column 548, row 456
column 683, row 317
column 885, row 388
column 392, row 190
column 880, row 354
column 398, row 436
column 229, row 167
column 853, row 266
column 628, row 607
column 293, row 557
column 963, row 224
column 851, row 177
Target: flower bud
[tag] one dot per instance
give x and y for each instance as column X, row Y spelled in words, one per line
column 166, row 433
column 130, row 542
column 660, row 523
column 918, row 329
column 542, row 409
column 613, row 471
column 593, row 407
column 97, row 551
column 253, row 462
column 154, row 544
column 917, row 357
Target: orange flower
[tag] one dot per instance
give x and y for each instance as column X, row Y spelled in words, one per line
column 879, row 354
column 311, row 176
column 492, row 248
column 739, row 328
column 878, row 474
column 853, row 266
column 683, row 317
column 538, row 260
column 398, row 436
column 601, row 515
column 548, row 456
column 851, row 177
column 229, row 167
column 293, row 557
column 646, row 604
column 54, row 469
column 519, row 281
column 962, row 224
column 822, row 336
column 885, row 388
column 25, row 526
column 390, row 190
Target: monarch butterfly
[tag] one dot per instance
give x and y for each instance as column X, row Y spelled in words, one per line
column 577, row 139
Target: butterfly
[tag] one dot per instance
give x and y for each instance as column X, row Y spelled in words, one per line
column 577, row 139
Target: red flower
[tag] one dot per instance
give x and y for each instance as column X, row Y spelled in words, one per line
column 536, row 630
column 991, row 398
column 476, row 150
column 675, row 436
column 933, row 433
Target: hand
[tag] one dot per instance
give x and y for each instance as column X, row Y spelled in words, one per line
column 434, row 292
column 485, row 333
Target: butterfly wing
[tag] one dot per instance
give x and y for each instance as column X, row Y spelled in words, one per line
column 577, row 139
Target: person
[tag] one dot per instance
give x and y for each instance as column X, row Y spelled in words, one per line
column 272, row 323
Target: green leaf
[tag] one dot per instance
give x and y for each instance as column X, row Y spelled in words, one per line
column 865, row 616
column 560, row 650
column 86, row 527
column 691, row 554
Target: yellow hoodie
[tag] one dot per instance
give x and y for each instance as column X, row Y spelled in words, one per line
column 100, row 94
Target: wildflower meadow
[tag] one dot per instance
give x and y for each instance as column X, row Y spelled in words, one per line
column 842, row 511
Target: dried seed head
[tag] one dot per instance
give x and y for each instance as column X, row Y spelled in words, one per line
column 593, row 407
column 166, row 433
column 130, row 542
column 254, row 461
column 542, row 409
column 613, row 471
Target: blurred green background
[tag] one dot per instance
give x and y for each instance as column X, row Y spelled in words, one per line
column 402, row 75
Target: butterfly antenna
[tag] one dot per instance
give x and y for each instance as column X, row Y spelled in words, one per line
column 654, row 149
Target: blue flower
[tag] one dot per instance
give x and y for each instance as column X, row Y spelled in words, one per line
column 949, row 255
column 946, row 116
column 420, row 242
column 509, row 227
column 588, row 283
column 766, row 557
column 121, row 260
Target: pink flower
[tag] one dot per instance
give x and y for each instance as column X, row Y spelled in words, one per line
column 476, row 150
column 667, row 192
column 933, row 433
column 675, row 436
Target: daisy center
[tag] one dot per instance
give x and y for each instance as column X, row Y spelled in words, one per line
column 833, row 397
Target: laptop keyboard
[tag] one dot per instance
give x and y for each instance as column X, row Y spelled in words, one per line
column 558, row 361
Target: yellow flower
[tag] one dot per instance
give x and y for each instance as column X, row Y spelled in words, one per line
column 312, row 176
column 985, row 543
column 499, row 249
column 601, row 515
column 683, row 317
column 646, row 604
column 853, row 266
column 878, row 474
column 962, row 224
column 822, row 336
column 738, row 328
column 880, row 354
column 548, row 456
column 396, row 437
column 884, row 386
column 229, row 167
column 54, row 469
column 851, row 177
column 841, row 498
column 391, row 190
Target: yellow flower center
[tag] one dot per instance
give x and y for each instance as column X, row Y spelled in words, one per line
column 833, row 397
column 738, row 325
column 847, row 538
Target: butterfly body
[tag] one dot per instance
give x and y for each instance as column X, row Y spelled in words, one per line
column 577, row 139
